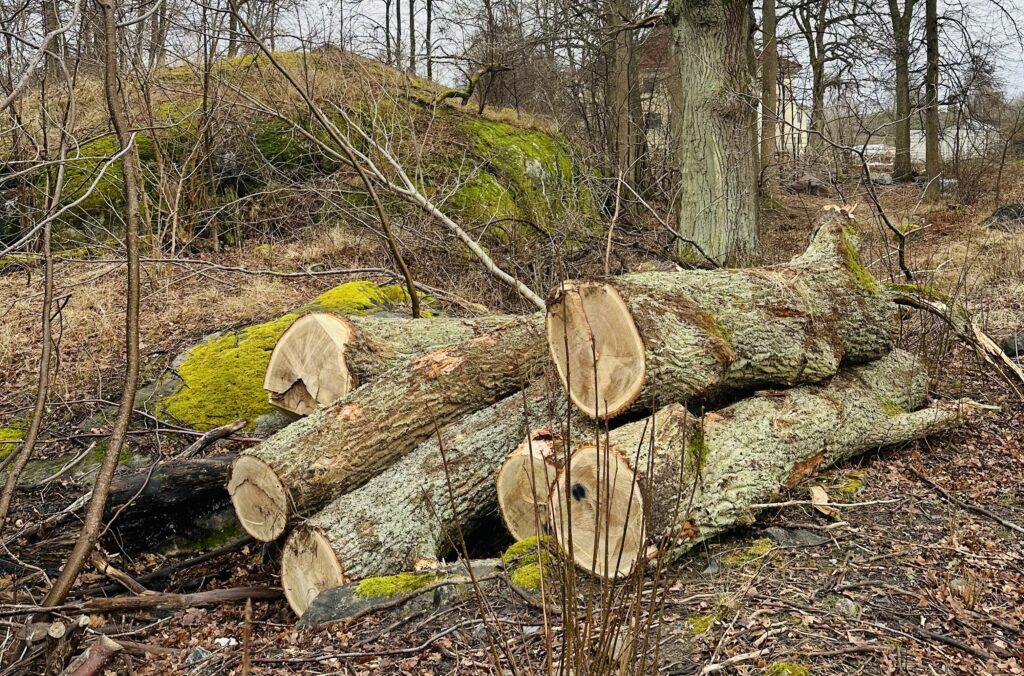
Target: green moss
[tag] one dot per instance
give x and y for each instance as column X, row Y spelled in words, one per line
column 392, row 585
column 9, row 438
column 851, row 487
column 527, row 576
column 860, row 274
column 786, row 669
column 222, row 378
column 771, row 203
column 230, row 531
column 527, row 561
column 483, row 199
column 700, row 624
column 696, row 450
column 892, row 408
column 760, row 548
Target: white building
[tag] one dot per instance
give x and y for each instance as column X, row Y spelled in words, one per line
column 970, row 140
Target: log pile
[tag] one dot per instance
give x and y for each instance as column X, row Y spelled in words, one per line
column 683, row 401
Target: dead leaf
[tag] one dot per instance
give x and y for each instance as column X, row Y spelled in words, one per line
column 819, row 498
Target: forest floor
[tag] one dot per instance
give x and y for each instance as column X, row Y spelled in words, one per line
column 914, row 578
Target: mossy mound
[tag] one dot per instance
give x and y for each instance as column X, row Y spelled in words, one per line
column 220, row 380
column 700, row 624
column 527, row 561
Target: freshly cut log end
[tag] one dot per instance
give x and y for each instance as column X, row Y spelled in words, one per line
column 524, row 482
column 308, row 567
column 594, row 343
column 307, row 368
column 259, row 497
column 599, row 517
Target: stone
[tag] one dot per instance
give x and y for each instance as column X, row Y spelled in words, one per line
column 882, row 178
column 1013, row 345
column 809, row 184
column 1008, row 218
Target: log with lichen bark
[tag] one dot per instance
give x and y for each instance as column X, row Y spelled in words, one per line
column 659, row 486
column 648, row 339
column 417, row 509
column 324, row 356
column 340, row 447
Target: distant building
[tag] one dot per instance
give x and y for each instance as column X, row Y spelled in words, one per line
column 965, row 141
column 654, row 61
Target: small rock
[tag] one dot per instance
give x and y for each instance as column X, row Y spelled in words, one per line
column 196, row 656
column 1013, row 345
column 849, row 608
column 809, row 184
column 883, row 178
column 1008, row 218
column 226, row 642
column 786, row 537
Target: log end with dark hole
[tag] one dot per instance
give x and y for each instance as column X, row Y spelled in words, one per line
column 596, row 347
column 308, row 567
column 259, row 497
column 523, row 483
column 307, row 368
column 606, row 511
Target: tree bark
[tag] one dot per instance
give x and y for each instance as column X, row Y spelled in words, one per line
column 696, row 477
column 769, row 94
column 932, row 149
column 713, row 107
column 338, row 448
column 695, row 335
column 434, row 496
column 901, row 20
column 322, row 357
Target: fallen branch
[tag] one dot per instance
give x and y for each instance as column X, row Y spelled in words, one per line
column 977, row 509
column 154, row 601
column 474, row 79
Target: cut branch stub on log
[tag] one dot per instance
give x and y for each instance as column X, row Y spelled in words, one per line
column 338, row 448
column 322, row 357
column 524, row 482
column 684, row 479
column 406, row 516
column 628, row 342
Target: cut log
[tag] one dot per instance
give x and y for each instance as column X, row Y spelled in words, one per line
column 524, row 482
column 663, row 484
column 412, row 513
column 322, row 357
column 336, row 449
column 630, row 342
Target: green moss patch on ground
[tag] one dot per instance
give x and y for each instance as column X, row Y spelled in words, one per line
column 786, row 669
column 760, row 548
column 222, row 377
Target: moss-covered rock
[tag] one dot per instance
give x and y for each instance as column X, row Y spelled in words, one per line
column 393, row 585
column 527, row 561
column 220, row 380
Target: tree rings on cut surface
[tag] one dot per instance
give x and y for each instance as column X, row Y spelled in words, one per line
column 307, row 367
column 259, row 497
column 524, row 482
column 308, row 567
column 599, row 516
column 596, row 348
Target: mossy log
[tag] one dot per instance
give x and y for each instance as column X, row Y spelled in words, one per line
column 338, row 448
column 414, row 511
column 323, row 356
column 692, row 335
column 663, row 484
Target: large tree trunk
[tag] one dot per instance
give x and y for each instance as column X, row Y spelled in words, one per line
column 717, row 128
column 338, row 448
column 322, row 357
column 901, row 20
column 623, row 129
column 769, row 96
column 418, row 508
column 696, row 477
column 932, row 149
column 686, row 336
